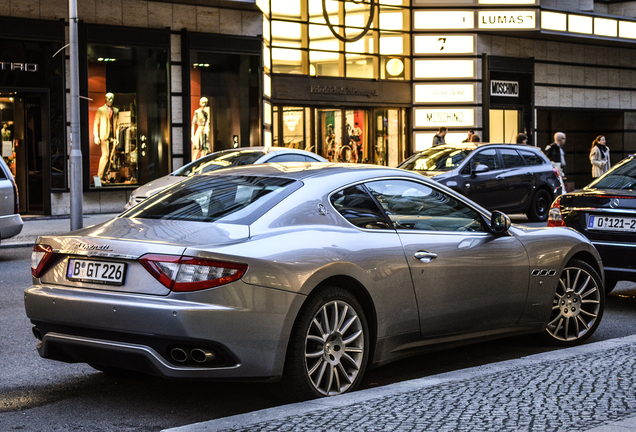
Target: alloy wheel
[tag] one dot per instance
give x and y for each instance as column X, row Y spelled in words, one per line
column 334, row 348
column 576, row 307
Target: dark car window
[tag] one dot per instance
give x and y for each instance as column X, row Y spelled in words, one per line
column 412, row 205
column 211, row 198
column 486, row 157
column 623, row 176
column 531, row 158
column 357, row 206
column 511, row 159
column 290, row 157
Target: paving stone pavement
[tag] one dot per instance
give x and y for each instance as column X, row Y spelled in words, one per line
column 588, row 388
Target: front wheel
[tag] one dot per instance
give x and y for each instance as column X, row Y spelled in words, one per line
column 329, row 346
column 540, row 207
column 577, row 307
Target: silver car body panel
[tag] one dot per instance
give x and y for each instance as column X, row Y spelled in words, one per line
column 302, row 242
column 10, row 222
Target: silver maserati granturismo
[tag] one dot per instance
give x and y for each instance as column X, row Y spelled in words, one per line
column 305, row 275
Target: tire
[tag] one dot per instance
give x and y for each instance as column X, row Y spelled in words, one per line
column 540, row 207
column 329, row 347
column 578, row 305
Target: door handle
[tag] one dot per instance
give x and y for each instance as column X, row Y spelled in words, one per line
column 425, row 256
column 499, row 178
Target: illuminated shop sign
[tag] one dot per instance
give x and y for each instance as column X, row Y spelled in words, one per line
column 444, row 44
column 427, row 20
column 460, row 68
column 449, row 117
column 504, row 88
column 19, row 67
column 507, row 20
column 336, row 90
column 436, row 93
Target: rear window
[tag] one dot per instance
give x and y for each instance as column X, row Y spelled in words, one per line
column 215, row 198
column 221, row 160
column 531, row 158
column 623, row 176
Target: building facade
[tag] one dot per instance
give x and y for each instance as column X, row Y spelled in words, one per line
column 365, row 81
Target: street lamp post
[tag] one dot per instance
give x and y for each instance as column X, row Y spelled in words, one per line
column 77, row 217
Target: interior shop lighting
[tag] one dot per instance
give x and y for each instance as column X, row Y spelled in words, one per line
column 507, row 2
column 554, row 21
column 106, row 59
column 580, row 24
column 395, row 67
column 289, row 8
column 444, row 44
column 267, row 85
column 605, row 27
column 391, row 45
column 281, row 54
column 286, row 30
column 391, row 21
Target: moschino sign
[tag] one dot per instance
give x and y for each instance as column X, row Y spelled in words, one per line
column 504, row 88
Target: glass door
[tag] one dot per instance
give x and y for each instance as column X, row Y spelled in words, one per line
column 504, row 125
column 389, row 136
column 329, row 132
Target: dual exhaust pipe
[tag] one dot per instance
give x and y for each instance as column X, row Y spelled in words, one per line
column 197, row 355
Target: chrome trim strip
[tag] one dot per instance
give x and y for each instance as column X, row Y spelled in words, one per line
column 78, row 252
column 603, row 243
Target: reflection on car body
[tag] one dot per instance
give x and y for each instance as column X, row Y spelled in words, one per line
column 305, row 275
column 513, row 178
column 605, row 212
column 10, row 220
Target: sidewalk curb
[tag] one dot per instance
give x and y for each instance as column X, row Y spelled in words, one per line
column 301, row 408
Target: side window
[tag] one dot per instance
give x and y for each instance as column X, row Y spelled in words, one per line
column 310, row 159
column 511, row 159
column 531, row 158
column 3, row 176
column 288, row 158
column 412, row 205
column 357, row 206
column 486, row 157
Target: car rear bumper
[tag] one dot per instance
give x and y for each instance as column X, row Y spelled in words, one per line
column 619, row 259
column 247, row 332
column 10, row 225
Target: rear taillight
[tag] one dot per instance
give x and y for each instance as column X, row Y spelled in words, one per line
column 189, row 273
column 556, row 171
column 555, row 218
column 39, row 258
column 16, row 207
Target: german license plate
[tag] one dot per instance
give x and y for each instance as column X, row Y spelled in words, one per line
column 609, row 223
column 104, row 272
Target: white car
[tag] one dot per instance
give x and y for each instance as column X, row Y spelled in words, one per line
column 10, row 220
column 223, row 159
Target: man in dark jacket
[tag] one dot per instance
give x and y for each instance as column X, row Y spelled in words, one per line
column 438, row 139
column 555, row 152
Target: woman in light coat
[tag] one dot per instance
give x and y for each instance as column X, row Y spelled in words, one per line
column 599, row 157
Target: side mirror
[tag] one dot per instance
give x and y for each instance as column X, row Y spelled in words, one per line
column 499, row 222
column 478, row 169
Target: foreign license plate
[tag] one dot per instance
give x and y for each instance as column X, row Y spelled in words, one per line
column 104, row 272
column 608, row 223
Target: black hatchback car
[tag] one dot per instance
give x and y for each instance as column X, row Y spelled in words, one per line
column 605, row 212
column 513, row 178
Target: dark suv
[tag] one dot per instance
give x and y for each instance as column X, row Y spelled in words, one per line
column 513, row 178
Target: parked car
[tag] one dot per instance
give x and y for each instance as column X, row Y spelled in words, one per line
column 223, row 159
column 512, row 178
column 10, row 220
column 305, row 274
column 605, row 212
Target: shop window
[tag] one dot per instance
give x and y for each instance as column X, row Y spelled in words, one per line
column 225, row 101
column 128, row 108
column 504, row 126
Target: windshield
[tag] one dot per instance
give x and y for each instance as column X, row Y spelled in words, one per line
column 623, row 176
column 213, row 198
column 218, row 160
column 437, row 159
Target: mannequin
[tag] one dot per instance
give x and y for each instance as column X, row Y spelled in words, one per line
column 201, row 130
column 105, row 131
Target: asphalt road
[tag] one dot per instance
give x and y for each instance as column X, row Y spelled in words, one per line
column 43, row 395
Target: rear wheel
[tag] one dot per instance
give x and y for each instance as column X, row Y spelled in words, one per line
column 329, row 347
column 577, row 307
column 540, row 207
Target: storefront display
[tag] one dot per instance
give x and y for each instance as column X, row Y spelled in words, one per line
column 127, row 115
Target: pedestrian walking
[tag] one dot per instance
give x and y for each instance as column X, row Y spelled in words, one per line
column 599, row 157
column 475, row 138
column 556, row 154
column 438, row 139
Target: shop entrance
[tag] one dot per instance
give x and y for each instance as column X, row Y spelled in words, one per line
column 24, row 148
